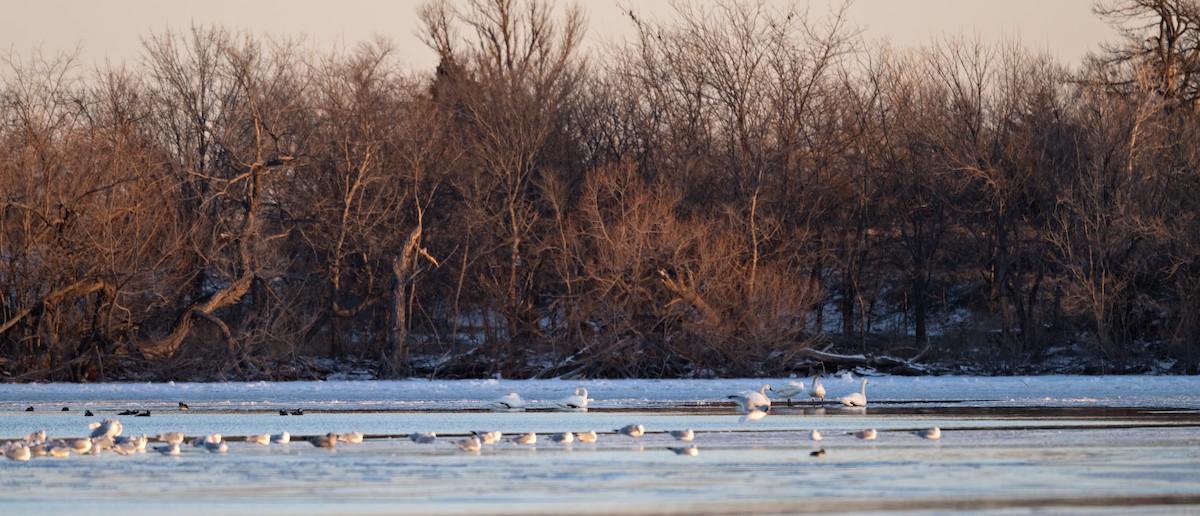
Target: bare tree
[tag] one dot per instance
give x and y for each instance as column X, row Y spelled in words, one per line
column 226, row 109
column 507, row 81
column 1161, row 37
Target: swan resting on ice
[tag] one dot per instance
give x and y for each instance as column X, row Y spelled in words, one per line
column 857, row 399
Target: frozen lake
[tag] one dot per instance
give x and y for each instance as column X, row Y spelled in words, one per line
column 1010, row 445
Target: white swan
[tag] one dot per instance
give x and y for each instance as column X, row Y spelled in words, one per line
column 510, row 401
column 857, row 399
column 749, row 401
column 579, row 401
column 488, row 437
column 586, row 437
column 470, row 445
column 818, row 391
column 529, row 438
column 633, row 431
column 169, row 449
column 281, row 438
column 216, row 447
column 789, row 390
column 929, row 433
column 424, row 437
column 815, row 435
column 563, row 438
column 263, row 439
column 683, row 435
column 109, row 427
column 868, row 434
column 689, row 450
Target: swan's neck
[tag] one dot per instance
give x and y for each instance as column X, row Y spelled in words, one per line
column 864, row 387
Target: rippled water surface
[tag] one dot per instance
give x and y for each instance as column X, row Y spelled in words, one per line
column 1071, row 445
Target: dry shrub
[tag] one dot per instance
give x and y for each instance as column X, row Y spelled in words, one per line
column 673, row 296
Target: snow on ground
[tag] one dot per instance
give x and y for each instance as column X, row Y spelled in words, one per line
column 1054, row 391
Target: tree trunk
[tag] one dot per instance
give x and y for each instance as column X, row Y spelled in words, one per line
column 395, row 353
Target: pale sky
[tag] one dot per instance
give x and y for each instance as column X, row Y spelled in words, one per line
column 111, row 29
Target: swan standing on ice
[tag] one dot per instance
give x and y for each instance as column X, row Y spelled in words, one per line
column 683, row 435
column 817, row 393
column 750, row 401
column 857, row 399
column 510, row 401
column 586, row 437
column 789, row 390
column 929, row 433
column 579, row 401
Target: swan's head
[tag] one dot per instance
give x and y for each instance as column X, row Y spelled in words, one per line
column 582, row 391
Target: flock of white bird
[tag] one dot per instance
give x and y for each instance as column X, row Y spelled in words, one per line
column 754, row 405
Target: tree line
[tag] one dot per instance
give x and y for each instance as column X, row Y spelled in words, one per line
column 743, row 188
